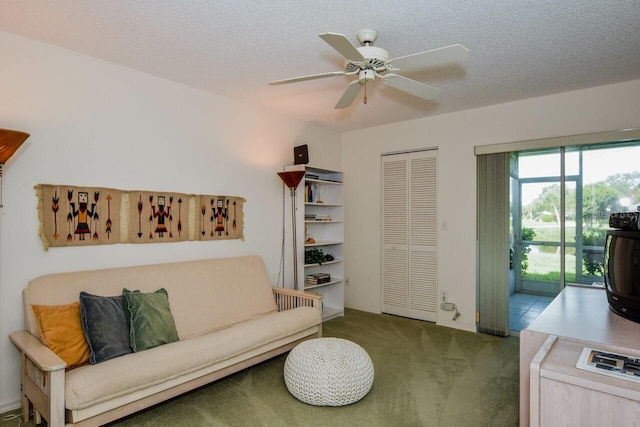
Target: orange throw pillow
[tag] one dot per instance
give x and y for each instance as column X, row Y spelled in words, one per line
column 61, row 331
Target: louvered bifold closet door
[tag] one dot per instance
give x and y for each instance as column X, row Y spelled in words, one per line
column 394, row 236
column 423, row 236
column 409, row 264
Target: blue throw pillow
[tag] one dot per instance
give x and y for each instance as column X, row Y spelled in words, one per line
column 105, row 326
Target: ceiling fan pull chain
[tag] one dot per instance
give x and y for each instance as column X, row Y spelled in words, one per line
column 365, row 91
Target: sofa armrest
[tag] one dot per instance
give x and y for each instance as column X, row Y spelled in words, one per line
column 287, row 299
column 39, row 354
column 43, row 374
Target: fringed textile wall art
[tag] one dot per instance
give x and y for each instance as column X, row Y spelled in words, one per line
column 82, row 216
column 157, row 217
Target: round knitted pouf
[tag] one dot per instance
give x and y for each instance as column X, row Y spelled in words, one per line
column 328, row 372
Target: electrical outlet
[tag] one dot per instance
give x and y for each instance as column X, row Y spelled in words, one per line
column 443, row 295
column 447, row 306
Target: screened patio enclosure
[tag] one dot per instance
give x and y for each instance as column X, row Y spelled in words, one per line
column 561, row 199
column 542, row 215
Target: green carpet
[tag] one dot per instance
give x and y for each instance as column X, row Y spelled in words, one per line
column 425, row 375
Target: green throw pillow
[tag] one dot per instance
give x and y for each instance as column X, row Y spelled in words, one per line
column 150, row 320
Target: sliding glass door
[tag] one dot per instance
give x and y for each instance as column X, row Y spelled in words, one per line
column 561, row 201
column 543, row 210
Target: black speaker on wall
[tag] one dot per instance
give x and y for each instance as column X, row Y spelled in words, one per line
column 301, row 155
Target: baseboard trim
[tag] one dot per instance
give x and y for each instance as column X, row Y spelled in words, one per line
column 456, row 325
column 365, row 309
column 10, row 405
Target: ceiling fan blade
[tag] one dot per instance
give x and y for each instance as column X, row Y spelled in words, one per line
column 310, row 77
column 411, row 87
column 349, row 95
column 342, row 44
column 429, row 58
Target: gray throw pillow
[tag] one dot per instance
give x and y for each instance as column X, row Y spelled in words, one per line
column 150, row 320
column 105, row 326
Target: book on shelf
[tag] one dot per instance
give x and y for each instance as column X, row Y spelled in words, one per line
column 322, row 217
column 308, row 196
column 318, row 278
column 311, row 193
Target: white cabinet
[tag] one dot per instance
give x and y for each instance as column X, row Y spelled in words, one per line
column 320, row 231
column 552, row 390
column 563, row 395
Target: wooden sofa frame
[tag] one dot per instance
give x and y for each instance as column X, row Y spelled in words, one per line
column 43, row 373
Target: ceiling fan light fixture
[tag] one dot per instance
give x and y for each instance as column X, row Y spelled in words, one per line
column 366, row 76
column 370, row 62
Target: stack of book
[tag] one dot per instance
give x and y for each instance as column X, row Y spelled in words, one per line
column 322, row 217
column 318, row 278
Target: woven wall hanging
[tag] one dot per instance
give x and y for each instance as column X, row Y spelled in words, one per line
column 82, row 216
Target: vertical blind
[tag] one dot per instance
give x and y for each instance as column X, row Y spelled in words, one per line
column 493, row 243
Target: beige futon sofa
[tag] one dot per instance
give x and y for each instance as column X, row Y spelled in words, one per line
column 227, row 317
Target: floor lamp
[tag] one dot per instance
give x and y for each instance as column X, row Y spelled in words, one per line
column 10, row 141
column 291, row 179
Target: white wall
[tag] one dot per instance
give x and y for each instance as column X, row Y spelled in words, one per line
column 597, row 109
column 93, row 123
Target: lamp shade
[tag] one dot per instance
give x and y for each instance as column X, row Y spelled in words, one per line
column 291, row 178
column 10, row 141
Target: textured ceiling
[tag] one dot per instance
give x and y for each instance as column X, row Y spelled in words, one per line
column 519, row 49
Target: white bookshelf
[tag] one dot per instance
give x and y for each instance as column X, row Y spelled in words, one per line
column 320, row 216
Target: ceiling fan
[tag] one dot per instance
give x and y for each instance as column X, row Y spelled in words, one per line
column 369, row 62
